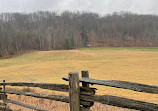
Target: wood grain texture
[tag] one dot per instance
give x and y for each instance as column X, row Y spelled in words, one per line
column 46, row 96
column 24, row 105
column 74, row 91
column 52, row 86
column 84, row 84
column 120, row 84
column 122, row 102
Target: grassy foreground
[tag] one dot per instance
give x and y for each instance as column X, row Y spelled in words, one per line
column 128, row 64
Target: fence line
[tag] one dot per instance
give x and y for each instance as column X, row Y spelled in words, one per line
column 81, row 98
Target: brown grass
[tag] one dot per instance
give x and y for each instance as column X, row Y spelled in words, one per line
column 51, row 66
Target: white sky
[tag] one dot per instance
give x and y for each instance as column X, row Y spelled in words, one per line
column 100, row 6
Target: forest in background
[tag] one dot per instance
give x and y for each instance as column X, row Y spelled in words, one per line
column 45, row 30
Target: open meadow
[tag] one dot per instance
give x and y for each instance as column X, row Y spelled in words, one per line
column 127, row 64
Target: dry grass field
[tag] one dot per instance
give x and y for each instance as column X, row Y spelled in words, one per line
column 127, row 64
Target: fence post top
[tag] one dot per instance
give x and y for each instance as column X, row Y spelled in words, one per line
column 84, row 71
column 71, row 73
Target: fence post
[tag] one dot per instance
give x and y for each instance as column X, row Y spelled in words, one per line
column 5, row 96
column 74, row 91
column 86, row 75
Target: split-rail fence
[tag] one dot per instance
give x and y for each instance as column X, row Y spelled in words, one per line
column 81, row 98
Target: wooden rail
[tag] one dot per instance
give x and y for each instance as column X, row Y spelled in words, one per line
column 46, row 96
column 122, row 102
column 52, row 86
column 120, row 84
column 81, row 98
column 24, row 105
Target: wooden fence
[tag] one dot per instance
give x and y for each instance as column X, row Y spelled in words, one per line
column 81, row 98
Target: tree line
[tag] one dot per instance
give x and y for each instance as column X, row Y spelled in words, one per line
column 45, row 30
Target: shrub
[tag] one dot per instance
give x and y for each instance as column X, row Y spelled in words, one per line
column 12, row 53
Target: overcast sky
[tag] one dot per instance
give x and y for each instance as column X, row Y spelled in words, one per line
column 100, row 6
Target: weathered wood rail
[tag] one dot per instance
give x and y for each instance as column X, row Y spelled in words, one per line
column 80, row 98
column 120, row 84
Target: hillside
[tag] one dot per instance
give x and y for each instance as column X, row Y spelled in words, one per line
column 129, row 64
column 45, row 30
